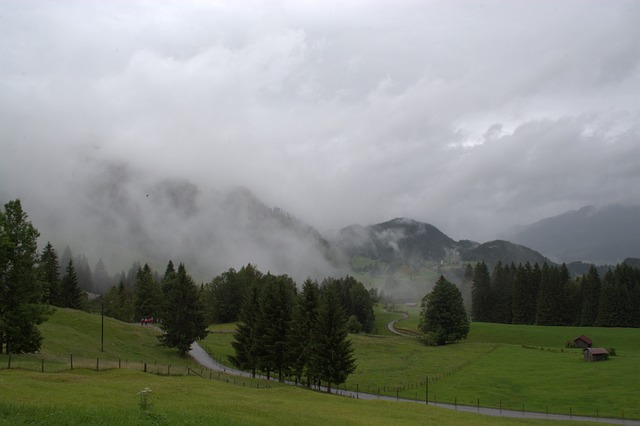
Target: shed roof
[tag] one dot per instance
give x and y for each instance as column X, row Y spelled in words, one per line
column 584, row 339
column 597, row 351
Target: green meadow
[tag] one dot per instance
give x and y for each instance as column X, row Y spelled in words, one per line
column 507, row 366
column 492, row 365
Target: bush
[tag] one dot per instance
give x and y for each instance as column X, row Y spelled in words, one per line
column 569, row 344
column 354, row 325
column 612, row 351
column 429, row 339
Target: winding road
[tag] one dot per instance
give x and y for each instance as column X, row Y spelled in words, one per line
column 204, row 359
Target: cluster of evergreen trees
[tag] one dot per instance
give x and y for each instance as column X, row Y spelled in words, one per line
column 546, row 295
column 225, row 295
column 302, row 335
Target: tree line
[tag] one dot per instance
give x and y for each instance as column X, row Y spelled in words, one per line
column 546, row 295
column 289, row 334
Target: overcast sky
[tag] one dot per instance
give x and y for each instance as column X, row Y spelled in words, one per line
column 473, row 116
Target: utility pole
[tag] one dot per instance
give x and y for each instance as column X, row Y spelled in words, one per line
column 102, row 333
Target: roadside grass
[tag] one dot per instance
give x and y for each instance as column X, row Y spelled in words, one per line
column 111, row 398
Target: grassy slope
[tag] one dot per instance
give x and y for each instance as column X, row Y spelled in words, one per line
column 78, row 333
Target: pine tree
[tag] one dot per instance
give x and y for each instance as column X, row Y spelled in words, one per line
column 523, row 299
column 183, row 318
column 443, row 317
column 50, row 275
column 84, row 274
column 101, row 278
column 501, row 288
column 481, row 302
column 333, row 359
column 71, row 295
column 21, row 293
column 245, row 342
column 614, row 302
column 148, row 295
column 301, row 340
column 276, row 305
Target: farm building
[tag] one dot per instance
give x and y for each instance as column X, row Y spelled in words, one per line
column 596, row 354
column 582, row 342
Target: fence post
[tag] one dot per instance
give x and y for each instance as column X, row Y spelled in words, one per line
column 478, row 404
column 42, row 364
column 97, row 364
column 119, row 363
column 426, row 384
column 71, row 357
column 9, row 365
column 145, row 367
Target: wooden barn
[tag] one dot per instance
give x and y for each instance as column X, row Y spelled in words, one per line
column 582, row 342
column 596, row 354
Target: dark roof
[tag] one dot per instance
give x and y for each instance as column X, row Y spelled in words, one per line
column 597, row 351
column 584, row 339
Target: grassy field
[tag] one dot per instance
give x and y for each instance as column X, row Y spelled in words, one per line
column 86, row 396
column 111, row 398
column 506, row 366
column 492, row 365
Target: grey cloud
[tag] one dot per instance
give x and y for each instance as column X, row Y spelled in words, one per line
column 473, row 116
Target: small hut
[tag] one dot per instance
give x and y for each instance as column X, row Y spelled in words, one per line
column 582, row 342
column 596, row 354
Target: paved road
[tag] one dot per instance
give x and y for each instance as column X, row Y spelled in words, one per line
column 392, row 325
column 202, row 357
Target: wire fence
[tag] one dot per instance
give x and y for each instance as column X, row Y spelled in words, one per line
column 67, row 363
column 416, row 391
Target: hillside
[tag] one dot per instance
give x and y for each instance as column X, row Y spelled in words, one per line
column 600, row 235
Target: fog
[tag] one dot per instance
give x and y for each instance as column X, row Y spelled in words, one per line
column 125, row 125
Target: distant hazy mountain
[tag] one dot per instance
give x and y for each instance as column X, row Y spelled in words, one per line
column 398, row 241
column 406, row 242
column 597, row 235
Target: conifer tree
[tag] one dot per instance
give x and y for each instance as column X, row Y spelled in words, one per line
column 481, row 293
column 333, row 359
column 21, row 292
column 501, row 288
column 276, row 306
column 71, row 295
column 522, row 295
column 443, row 317
column 245, row 341
column 50, row 275
column 148, row 294
column 183, row 317
column 301, row 340
column 548, row 306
